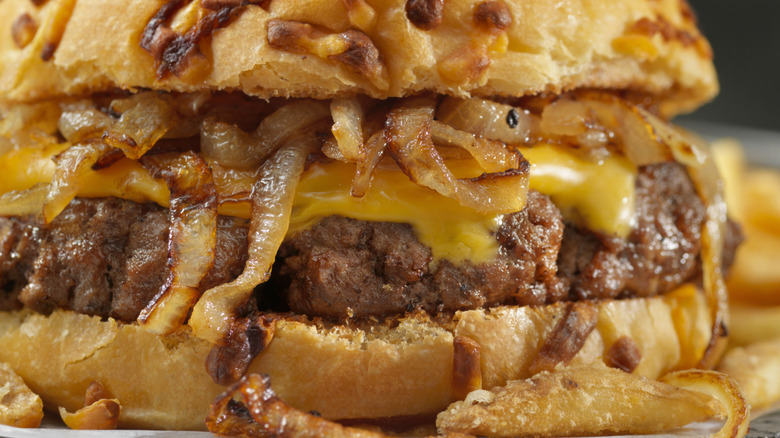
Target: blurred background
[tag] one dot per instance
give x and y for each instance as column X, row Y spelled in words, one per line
column 745, row 36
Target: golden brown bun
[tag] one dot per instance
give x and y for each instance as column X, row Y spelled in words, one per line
column 340, row 372
column 646, row 46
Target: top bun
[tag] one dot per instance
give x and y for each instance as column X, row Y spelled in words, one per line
column 381, row 48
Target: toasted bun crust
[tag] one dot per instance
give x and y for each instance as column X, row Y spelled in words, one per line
column 341, row 372
column 382, row 48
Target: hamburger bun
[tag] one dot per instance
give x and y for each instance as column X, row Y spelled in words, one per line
column 648, row 47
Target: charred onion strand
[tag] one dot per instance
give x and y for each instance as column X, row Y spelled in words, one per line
column 408, row 136
column 247, row 339
column 272, row 197
column 259, row 412
column 192, row 238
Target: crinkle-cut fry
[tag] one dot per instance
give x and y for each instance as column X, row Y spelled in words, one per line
column 19, row 406
column 577, row 401
column 723, row 389
column 755, row 367
column 251, row 408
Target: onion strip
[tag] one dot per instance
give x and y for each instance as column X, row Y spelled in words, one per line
column 408, row 135
column 272, row 197
column 72, row 165
column 347, row 114
column 492, row 155
column 191, row 239
column 375, row 150
column 145, row 118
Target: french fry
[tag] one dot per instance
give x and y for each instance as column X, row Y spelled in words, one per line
column 751, row 324
column 578, row 401
column 753, row 198
column 19, row 406
column 755, row 368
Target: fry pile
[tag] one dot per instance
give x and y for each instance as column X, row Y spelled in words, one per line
column 753, row 197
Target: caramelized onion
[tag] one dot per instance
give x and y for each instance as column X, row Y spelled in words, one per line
column 192, row 238
column 272, row 197
column 375, row 149
column 232, row 147
column 287, row 121
column 227, row 144
column 25, row 202
column 488, row 119
column 78, row 125
column 408, row 135
column 492, row 155
column 72, row 165
column 251, row 408
column 347, row 114
column 146, row 117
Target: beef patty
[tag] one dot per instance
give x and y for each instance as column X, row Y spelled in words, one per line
column 107, row 257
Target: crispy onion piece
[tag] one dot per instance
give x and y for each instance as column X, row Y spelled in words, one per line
column 272, row 197
column 251, row 408
column 100, row 415
column 722, row 388
column 408, row 136
column 146, row 117
column 192, row 238
column 577, row 401
column 487, row 119
column 347, row 114
column 19, row 406
column 232, row 147
column 100, row 411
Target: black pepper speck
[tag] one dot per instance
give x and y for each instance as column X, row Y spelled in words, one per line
column 512, row 119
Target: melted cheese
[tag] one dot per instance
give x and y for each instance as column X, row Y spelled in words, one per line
column 599, row 195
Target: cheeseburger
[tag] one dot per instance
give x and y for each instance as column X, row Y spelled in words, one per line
column 383, row 205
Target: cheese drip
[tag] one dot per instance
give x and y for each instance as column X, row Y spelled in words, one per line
column 597, row 195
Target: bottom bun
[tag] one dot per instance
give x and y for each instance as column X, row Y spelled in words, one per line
column 342, row 372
